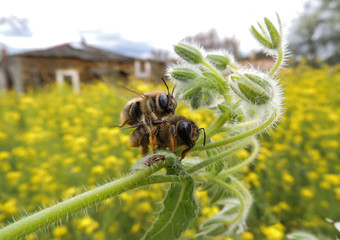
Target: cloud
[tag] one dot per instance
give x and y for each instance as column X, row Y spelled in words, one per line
column 14, row 27
column 114, row 42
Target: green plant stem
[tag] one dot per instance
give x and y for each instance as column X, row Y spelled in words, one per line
column 246, row 124
column 219, row 157
column 235, row 138
column 238, row 195
column 65, row 208
column 215, row 127
column 244, row 190
column 277, row 63
column 239, row 166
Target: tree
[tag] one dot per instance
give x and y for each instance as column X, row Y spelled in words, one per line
column 159, row 55
column 211, row 41
column 316, row 32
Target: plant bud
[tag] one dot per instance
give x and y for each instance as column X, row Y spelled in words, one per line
column 269, row 36
column 219, row 61
column 188, row 52
column 190, row 91
column 252, row 88
column 183, row 74
column 273, row 32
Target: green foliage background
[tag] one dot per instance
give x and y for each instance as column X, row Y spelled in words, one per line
column 54, row 144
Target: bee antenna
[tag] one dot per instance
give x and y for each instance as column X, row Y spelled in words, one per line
column 173, row 90
column 205, row 137
column 166, row 85
column 134, row 126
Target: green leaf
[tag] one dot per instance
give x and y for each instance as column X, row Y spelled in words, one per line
column 274, row 34
column 260, row 38
column 180, row 207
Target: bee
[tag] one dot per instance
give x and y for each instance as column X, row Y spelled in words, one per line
column 169, row 132
column 155, row 104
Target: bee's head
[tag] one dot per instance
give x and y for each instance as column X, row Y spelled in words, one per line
column 189, row 132
column 167, row 101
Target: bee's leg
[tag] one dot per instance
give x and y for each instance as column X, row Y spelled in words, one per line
column 123, row 124
column 185, row 151
column 159, row 121
column 173, row 138
column 153, row 138
column 144, row 150
column 143, row 143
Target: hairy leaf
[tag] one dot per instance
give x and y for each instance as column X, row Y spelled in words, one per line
column 179, row 208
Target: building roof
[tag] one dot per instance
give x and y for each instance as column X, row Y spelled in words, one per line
column 78, row 51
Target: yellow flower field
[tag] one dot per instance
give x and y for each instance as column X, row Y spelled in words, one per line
column 55, row 144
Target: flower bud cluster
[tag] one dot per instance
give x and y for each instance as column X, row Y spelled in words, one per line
column 206, row 78
column 199, row 77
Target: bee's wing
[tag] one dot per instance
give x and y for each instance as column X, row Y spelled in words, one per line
column 130, row 90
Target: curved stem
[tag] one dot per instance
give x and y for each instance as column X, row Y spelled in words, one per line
column 238, row 195
column 235, row 138
column 219, row 157
column 246, row 124
column 251, row 158
column 277, row 63
column 218, row 124
column 244, row 190
column 63, row 209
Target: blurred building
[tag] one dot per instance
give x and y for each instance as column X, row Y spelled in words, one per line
column 258, row 60
column 72, row 63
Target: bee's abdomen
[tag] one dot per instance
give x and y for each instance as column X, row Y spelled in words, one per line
column 131, row 113
column 139, row 137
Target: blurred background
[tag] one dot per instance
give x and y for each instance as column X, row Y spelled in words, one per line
column 56, row 141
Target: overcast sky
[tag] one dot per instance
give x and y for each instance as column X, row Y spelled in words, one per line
column 136, row 26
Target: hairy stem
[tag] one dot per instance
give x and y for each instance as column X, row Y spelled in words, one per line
column 238, row 195
column 63, row 209
column 245, row 191
column 277, row 63
column 216, row 126
column 239, row 166
column 219, row 157
column 240, row 136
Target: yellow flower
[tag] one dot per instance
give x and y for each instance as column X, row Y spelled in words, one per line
column 210, row 211
column 87, row 224
column 332, row 179
column 76, row 169
column 97, row 170
column 99, row 235
column 252, row 178
column 287, row 177
column 10, row 207
column 273, row 232
column 247, row 236
column 243, row 154
column 312, row 175
column 189, row 233
column 11, row 117
column 13, row 178
column 135, row 228
column 143, row 207
column 306, row 193
column 59, row 231
column 337, row 193
column 4, row 155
